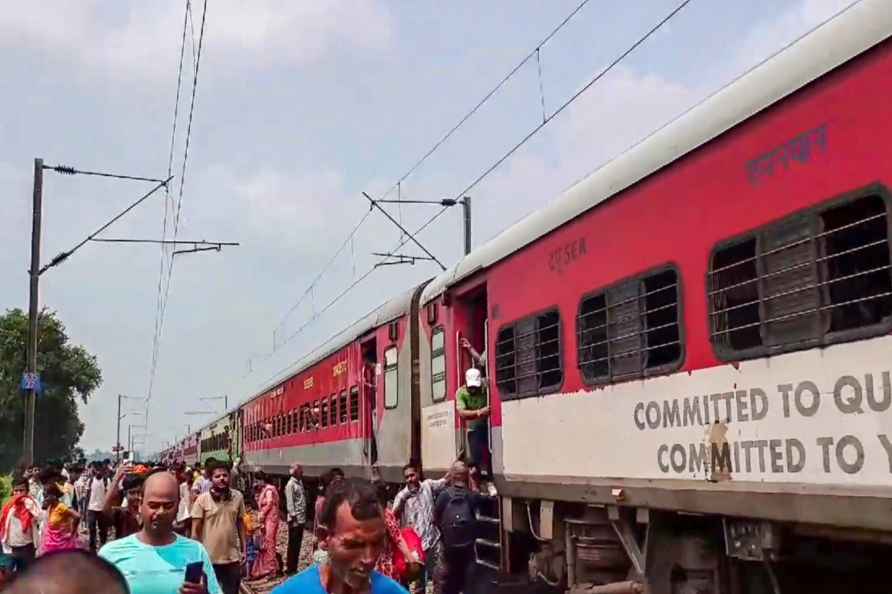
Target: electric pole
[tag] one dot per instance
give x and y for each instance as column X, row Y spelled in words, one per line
column 31, row 398
column 118, row 438
column 466, row 208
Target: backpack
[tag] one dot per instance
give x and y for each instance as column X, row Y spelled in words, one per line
column 458, row 524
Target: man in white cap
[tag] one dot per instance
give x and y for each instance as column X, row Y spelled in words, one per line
column 472, row 403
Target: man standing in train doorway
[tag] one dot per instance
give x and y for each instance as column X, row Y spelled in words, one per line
column 472, row 404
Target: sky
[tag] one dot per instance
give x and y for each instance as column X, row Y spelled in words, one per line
column 299, row 108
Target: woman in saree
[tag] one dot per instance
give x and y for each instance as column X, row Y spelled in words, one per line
column 266, row 565
column 60, row 532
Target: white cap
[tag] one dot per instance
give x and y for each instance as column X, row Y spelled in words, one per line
column 473, row 378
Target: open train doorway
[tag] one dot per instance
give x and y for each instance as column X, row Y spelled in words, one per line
column 371, row 370
column 474, row 441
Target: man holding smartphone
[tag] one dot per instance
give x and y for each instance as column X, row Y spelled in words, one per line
column 156, row 560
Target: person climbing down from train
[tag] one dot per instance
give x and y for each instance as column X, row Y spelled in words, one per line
column 472, row 405
column 352, row 531
column 414, row 504
column 455, row 516
column 478, row 358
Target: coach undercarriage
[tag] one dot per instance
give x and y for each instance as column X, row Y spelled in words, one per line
column 614, row 549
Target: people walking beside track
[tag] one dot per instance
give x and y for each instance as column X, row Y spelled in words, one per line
column 184, row 513
column 81, row 489
column 60, row 530
column 352, row 530
column 124, row 519
column 455, row 515
column 96, row 523
column 394, row 543
column 154, row 559
column 296, row 507
column 320, row 556
column 18, row 525
column 267, row 565
column 414, row 504
column 217, row 523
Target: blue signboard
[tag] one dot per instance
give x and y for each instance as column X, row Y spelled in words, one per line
column 31, row 381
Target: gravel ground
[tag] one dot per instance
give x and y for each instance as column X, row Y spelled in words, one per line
column 306, row 559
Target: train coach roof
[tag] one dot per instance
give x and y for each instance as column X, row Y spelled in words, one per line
column 855, row 30
column 388, row 311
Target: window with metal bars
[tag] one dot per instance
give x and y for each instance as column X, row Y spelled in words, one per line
column 528, row 356
column 817, row 277
column 323, row 412
column 333, row 410
column 631, row 329
column 343, row 408
column 354, row 403
column 304, row 418
column 438, row 365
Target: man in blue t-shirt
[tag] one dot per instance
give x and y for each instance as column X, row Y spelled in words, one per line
column 352, row 531
column 154, row 560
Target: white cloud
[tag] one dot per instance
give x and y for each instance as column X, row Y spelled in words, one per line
column 776, row 33
column 143, row 41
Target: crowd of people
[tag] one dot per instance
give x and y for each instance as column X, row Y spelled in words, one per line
column 172, row 528
column 203, row 530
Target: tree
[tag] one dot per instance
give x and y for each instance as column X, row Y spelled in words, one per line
column 67, row 371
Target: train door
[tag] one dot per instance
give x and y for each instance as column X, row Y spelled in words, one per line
column 371, row 369
column 470, row 326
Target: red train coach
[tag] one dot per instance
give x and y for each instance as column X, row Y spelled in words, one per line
column 349, row 405
column 688, row 352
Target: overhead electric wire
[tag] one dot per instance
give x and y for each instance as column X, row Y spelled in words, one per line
column 173, row 134
column 176, row 223
column 430, row 152
column 69, row 170
column 499, row 161
column 563, row 106
column 325, row 268
column 64, row 255
column 486, row 98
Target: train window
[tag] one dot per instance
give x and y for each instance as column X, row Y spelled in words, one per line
column 438, row 365
column 333, row 410
column 354, row 403
column 323, row 412
column 528, row 356
column 295, row 421
column 302, row 418
column 344, row 411
column 391, row 378
column 631, row 329
column 817, row 277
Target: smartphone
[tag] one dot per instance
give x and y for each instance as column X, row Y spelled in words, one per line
column 195, row 572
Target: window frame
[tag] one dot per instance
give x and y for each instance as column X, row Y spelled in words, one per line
column 442, row 331
column 728, row 355
column 493, row 376
column 343, row 408
column 664, row 369
column 333, row 410
column 395, row 368
column 354, row 394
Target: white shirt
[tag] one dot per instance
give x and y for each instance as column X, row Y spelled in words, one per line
column 15, row 536
column 97, row 495
column 184, row 512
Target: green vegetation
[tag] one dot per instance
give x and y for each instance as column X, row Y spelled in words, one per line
column 68, row 373
column 5, row 488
